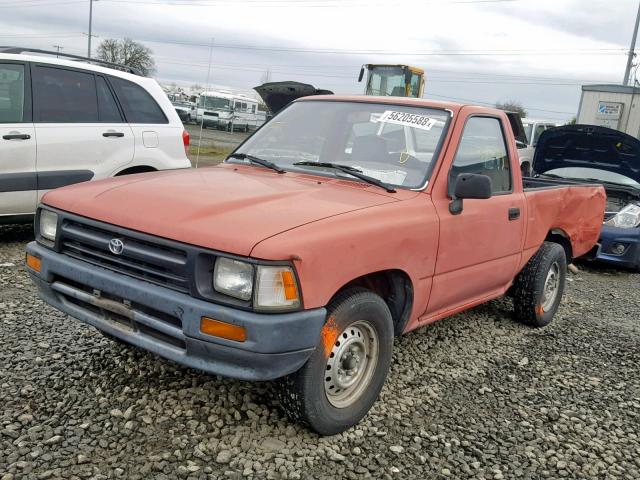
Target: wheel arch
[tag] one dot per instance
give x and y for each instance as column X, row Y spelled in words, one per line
column 394, row 286
column 559, row 236
column 136, row 169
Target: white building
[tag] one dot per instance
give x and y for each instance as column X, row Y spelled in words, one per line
column 612, row 106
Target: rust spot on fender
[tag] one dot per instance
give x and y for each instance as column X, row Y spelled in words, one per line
column 328, row 335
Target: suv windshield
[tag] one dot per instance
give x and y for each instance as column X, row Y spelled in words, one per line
column 214, row 103
column 583, row 173
column 392, row 143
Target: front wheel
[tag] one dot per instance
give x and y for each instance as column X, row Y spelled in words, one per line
column 342, row 379
column 538, row 288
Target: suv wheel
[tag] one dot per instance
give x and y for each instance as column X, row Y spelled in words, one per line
column 341, row 380
column 538, row 288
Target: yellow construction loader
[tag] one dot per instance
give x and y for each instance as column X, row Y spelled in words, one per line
column 393, row 80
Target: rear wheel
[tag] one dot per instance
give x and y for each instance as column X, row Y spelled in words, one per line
column 341, row 380
column 538, row 288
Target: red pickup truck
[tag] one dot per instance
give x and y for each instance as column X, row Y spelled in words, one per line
column 343, row 222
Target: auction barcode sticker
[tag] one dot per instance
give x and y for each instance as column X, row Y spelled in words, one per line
column 408, row 119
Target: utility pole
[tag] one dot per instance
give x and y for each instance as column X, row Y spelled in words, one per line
column 90, row 24
column 627, row 71
column 58, row 48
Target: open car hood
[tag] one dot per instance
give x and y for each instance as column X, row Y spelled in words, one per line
column 588, row 146
column 277, row 95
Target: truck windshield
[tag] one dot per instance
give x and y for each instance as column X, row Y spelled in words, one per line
column 214, row 103
column 392, row 143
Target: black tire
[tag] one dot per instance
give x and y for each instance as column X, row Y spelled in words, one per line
column 302, row 394
column 532, row 304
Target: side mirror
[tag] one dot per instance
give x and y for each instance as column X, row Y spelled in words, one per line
column 361, row 74
column 471, row 186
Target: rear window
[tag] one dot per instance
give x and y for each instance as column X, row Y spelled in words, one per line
column 107, row 107
column 138, row 105
column 11, row 93
column 64, row 96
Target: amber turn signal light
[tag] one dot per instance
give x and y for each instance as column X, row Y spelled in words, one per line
column 220, row 329
column 33, row 262
column 289, row 284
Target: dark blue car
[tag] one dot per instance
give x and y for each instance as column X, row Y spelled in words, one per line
column 591, row 154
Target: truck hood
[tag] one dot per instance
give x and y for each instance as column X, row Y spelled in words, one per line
column 277, row 95
column 588, row 146
column 227, row 208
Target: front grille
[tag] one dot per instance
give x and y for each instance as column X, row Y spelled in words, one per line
column 142, row 259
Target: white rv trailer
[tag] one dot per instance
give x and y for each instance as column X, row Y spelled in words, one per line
column 225, row 110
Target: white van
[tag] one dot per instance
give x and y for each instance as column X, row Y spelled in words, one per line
column 66, row 121
column 224, row 110
column 532, row 129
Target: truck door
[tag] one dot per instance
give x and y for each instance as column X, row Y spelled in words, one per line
column 18, row 181
column 480, row 247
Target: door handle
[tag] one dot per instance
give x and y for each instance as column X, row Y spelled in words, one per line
column 16, row 136
column 514, row 213
column 113, row 134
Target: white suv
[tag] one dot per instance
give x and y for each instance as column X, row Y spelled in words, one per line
column 66, row 121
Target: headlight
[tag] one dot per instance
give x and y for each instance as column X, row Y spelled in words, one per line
column 48, row 224
column 276, row 288
column 233, row 278
column 628, row 217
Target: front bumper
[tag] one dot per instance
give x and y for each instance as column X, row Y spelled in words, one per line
column 629, row 238
column 167, row 322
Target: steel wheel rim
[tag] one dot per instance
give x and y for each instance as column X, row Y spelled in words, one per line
column 551, row 287
column 351, row 364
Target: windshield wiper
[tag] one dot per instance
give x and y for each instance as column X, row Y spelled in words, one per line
column 354, row 172
column 258, row 160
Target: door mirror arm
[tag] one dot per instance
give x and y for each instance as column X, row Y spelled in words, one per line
column 469, row 185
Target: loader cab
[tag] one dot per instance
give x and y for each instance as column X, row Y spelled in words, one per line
column 393, row 80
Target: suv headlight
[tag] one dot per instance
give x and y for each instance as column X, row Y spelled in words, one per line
column 48, row 224
column 233, row 278
column 628, row 217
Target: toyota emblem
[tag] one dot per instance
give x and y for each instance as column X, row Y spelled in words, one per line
column 116, row 246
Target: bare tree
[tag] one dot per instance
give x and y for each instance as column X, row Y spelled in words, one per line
column 196, row 87
column 512, row 106
column 128, row 52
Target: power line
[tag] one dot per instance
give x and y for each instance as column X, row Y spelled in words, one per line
column 467, row 100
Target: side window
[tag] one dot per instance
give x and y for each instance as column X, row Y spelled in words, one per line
column 253, row 109
column 483, row 150
column 138, row 105
column 107, row 107
column 538, row 131
column 64, row 96
column 11, row 93
column 244, row 107
column 237, row 106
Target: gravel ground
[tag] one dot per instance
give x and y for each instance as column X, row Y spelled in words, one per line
column 473, row 396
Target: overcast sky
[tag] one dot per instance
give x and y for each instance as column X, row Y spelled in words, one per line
column 537, row 52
